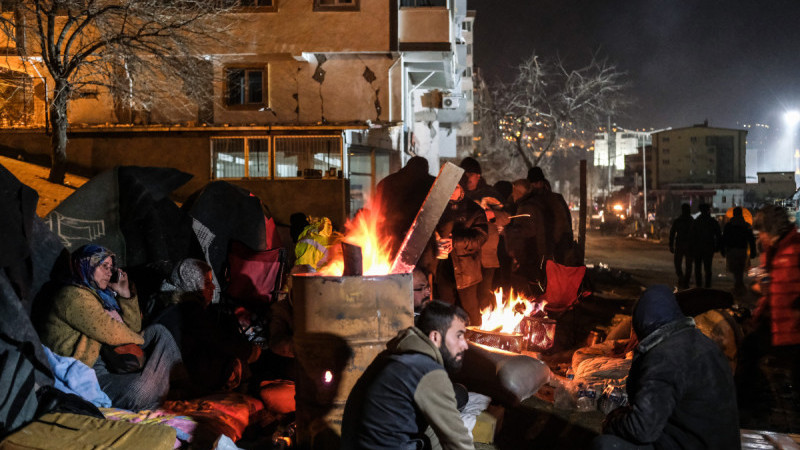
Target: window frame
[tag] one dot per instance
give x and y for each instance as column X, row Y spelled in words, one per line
column 355, row 5
column 257, row 8
column 247, row 69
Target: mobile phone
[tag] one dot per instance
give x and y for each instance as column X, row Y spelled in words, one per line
column 114, row 276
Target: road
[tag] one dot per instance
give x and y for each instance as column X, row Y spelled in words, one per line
column 649, row 262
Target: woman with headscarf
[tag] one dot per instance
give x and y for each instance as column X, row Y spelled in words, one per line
column 213, row 349
column 99, row 308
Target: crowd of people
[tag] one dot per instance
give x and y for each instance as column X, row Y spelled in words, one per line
column 489, row 236
column 681, row 389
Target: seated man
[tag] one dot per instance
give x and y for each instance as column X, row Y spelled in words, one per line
column 405, row 398
column 680, row 386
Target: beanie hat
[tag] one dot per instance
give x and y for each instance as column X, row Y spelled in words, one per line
column 470, row 165
column 535, row 174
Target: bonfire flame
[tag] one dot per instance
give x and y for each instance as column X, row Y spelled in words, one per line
column 363, row 230
column 506, row 315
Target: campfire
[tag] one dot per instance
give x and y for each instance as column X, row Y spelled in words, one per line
column 515, row 324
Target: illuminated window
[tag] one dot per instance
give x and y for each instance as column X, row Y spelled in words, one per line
column 245, row 87
column 240, row 157
column 336, row 5
column 296, row 156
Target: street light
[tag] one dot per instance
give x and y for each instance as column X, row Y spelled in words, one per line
column 792, row 117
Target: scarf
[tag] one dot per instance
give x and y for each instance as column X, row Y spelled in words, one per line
column 83, row 263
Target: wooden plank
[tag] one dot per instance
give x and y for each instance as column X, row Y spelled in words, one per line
column 427, row 218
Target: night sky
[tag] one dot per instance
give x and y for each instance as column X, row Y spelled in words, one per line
column 727, row 61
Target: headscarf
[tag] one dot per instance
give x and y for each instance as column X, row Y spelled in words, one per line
column 83, row 262
column 188, row 276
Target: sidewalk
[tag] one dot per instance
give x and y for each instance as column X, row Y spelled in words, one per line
column 50, row 194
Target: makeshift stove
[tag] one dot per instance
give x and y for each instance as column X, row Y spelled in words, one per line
column 345, row 314
column 515, row 324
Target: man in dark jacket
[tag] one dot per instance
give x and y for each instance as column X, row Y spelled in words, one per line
column 680, row 385
column 737, row 236
column 679, row 245
column 462, row 230
column 558, row 215
column 405, row 399
column 477, row 190
column 706, row 238
column 529, row 241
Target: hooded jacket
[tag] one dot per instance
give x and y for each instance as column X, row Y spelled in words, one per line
column 680, row 385
column 465, row 222
column 404, row 400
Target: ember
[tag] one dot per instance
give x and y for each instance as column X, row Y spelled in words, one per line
column 515, row 324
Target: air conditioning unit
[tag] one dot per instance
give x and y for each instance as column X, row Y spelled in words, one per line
column 450, row 101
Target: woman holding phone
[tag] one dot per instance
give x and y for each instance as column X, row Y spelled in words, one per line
column 95, row 318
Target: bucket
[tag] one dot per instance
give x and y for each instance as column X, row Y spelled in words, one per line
column 341, row 324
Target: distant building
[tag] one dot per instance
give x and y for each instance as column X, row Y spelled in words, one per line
column 698, row 155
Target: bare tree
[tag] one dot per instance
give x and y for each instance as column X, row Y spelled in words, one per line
column 548, row 107
column 134, row 49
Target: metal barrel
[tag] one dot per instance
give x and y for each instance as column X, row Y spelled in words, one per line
column 341, row 324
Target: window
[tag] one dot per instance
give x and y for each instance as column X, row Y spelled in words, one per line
column 693, row 139
column 665, row 162
column 467, row 72
column 724, row 199
column 469, row 49
column 240, row 157
column 245, row 87
column 665, row 151
column 664, row 139
column 295, row 155
column 336, row 5
column 466, row 25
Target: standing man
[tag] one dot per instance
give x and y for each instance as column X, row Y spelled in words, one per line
column 680, row 386
column 776, row 319
column 558, row 215
column 680, row 246
column 462, row 231
column 477, row 190
column 737, row 236
column 706, row 239
column 405, row 399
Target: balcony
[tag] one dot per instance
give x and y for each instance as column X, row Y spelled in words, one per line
column 424, row 28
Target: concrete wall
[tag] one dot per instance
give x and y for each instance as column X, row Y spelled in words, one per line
column 91, row 152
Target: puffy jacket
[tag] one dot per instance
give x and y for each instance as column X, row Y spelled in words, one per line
column 404, row 400
column 781, row 302
column 77, row 324
column 466, row 223
column 681, row 393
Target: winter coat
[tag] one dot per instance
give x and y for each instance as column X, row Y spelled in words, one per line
column 528, row 239
column 680, row 386
column 489, row 249
column 404, row 399
column 738, row 234
column 466, row 223
column 680, row 232
column 77, row 325
column 705, row 235
column 561, row 219
column 781, row 301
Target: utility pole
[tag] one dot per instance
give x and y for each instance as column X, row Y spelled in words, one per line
column 644, row 176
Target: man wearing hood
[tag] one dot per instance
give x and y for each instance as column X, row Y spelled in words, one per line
column 680, row 386
column 405, row 399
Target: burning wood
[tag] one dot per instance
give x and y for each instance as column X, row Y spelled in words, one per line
column 514, row 324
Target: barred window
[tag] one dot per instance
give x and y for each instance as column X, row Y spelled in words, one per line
column 295, row 155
